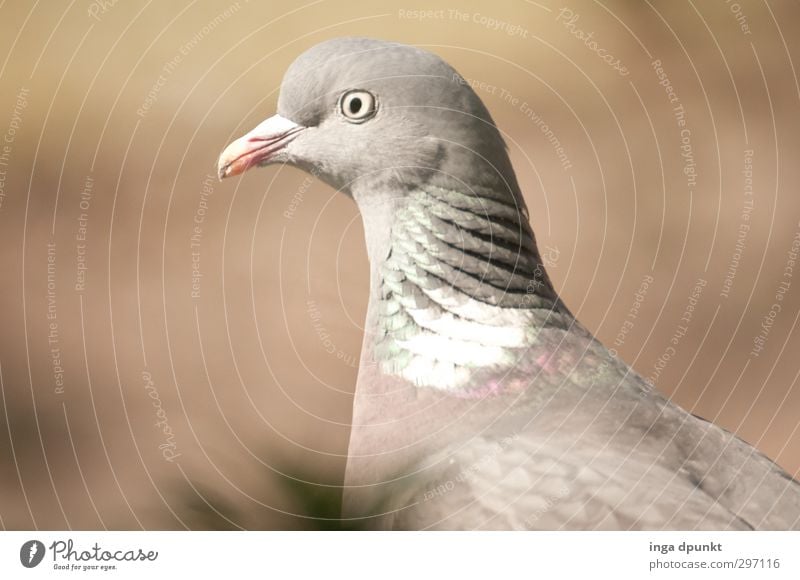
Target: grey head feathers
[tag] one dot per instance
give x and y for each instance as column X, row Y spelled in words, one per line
column 429, row 126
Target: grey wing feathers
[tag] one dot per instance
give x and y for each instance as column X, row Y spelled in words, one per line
column 526, row 483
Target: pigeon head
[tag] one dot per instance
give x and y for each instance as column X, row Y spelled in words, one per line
column 456, row 278
column 365, row 114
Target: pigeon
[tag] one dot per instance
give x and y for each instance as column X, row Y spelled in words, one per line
column 481, row 402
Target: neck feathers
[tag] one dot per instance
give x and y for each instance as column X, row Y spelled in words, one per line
column 459, row 289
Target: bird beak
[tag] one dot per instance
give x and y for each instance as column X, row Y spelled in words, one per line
column 258, row 147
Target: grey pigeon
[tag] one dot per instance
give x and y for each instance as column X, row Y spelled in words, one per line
column 481, row 402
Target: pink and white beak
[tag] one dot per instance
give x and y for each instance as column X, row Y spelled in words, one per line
column 258, row 146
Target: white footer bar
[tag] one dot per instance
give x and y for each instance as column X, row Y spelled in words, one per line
column 406, row 555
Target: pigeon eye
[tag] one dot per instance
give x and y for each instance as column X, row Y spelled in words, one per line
column 357, row 106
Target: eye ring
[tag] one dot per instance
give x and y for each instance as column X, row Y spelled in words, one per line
column 358, row 105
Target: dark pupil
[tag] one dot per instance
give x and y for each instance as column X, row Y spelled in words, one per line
column 355, row 105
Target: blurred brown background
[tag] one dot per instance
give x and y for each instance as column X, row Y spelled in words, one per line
column 139, row 394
